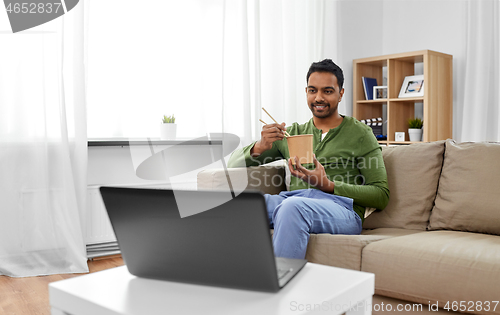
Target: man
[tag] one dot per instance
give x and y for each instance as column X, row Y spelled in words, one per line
column 348, row 174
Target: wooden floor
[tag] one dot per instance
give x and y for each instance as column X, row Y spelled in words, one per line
column 31, row 295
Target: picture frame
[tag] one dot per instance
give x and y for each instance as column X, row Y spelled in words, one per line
column 413, row 86
column 379, row 92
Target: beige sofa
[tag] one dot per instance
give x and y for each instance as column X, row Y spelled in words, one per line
column 438, row 239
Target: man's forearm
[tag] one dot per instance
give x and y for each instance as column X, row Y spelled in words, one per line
column 243, row 157
column 256, row 149
column 374, row 192
column 259, row 148
column 326, row 186
column 375, row 196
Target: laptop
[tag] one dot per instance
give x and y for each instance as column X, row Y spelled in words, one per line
column 227, row 245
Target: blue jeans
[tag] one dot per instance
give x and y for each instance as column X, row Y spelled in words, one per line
column 296, row 214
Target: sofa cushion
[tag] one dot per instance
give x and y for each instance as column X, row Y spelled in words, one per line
column 412, row 174
column 344, row 251
column 436, row 266
column 467, row 198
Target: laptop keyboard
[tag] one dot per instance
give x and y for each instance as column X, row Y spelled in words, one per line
column 283, row 272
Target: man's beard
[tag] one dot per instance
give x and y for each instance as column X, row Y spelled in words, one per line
column 328, row 110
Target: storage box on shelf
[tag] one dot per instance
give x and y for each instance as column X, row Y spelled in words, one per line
column 437, row 100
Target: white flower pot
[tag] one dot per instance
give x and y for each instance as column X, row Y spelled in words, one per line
column 168, row 131
column 415, row 134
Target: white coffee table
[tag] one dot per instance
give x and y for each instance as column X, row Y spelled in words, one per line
column 316, row 289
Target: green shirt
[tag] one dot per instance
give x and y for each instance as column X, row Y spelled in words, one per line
column 350, row 154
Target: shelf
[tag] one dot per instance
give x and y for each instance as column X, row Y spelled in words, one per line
column 385, row 100
column 407, row 99
column 380, row 101
column 437, row 102
column 125, row 142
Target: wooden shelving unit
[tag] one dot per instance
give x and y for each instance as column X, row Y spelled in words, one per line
column 437, row 100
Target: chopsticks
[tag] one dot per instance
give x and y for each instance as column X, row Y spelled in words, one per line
column 262, row 121
column 286, row 133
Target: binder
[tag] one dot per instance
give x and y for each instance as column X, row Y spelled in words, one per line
column 368, row 84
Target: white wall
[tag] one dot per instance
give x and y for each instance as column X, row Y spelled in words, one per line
column 435, row 25
column 359, row 35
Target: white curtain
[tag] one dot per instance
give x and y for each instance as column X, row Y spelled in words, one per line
column 479, row 95
column 43, row 148
column 268, row 47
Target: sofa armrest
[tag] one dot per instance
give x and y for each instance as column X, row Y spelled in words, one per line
column 268, row 178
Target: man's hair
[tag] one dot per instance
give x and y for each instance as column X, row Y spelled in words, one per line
column 327, row 65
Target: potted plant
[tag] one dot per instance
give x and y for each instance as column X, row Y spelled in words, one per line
column 168, row 128
column 415, row 129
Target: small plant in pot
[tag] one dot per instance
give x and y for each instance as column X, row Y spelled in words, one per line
column 415, row 129
column 168, row 128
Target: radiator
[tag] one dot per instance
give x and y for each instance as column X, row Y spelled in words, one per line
column 99, row 236
column 98, row 233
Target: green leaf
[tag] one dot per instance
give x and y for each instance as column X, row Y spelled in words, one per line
column 416, row 123
column 168, row 119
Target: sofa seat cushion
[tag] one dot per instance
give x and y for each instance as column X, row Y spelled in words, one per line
column 344, row 251
column 389, row 232
column 467, row 198
column 412, row 174
column 436, row 266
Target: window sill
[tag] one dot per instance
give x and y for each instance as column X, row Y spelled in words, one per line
column 124, row 142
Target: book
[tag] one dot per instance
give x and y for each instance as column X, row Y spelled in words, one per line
column 368, row 84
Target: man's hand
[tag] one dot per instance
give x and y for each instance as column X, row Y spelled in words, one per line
column 316, row 177
column 269, row 134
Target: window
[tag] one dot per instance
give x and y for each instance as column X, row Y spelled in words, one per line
column 150, row 58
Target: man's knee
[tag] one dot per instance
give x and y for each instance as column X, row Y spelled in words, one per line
column 291, row 207
column 293, row 202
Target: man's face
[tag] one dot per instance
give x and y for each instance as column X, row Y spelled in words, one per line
column 323, row 94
